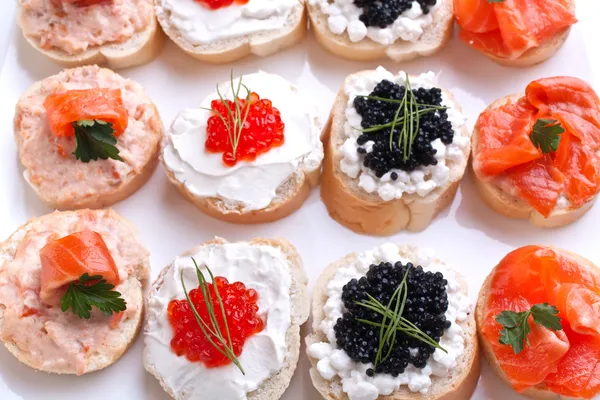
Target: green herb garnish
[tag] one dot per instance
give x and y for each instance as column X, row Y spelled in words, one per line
column 546, row 134
column 84, row 294
column 212, row 328
column 95, row 140
column 516, row 324
column 495, row 1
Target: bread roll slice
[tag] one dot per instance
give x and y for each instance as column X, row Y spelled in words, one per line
column 225, row 51
column 368, row 213
column 140, row 49
column 503, row 202
column 434, row 37
column 276, row 384
column 459, row 385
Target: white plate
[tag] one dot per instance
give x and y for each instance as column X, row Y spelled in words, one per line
column 468, row 235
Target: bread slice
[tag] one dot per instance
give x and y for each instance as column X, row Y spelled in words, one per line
column 273, row 387
column 140, row 49
column 368, row 213
column 459, row 385
column 433, row 39
column 224, row 51
column 539, row 392
column 514, row 207
column 129, row 329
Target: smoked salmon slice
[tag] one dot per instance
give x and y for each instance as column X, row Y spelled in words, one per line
column 65, row 260
column 64, row 108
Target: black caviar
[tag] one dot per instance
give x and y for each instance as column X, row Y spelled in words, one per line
column 382, row 13
column 432, row 126
column 426, row 305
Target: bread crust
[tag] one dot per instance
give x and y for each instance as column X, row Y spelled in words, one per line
column 366, row 213
column 459, row 386
column 226, row 51
column 433, row 40
column 512, row 206
column 140, row 49
column 274, row 386
column 539, row 392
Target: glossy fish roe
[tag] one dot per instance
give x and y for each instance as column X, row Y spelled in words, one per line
column 216, row 4
column 241, row 310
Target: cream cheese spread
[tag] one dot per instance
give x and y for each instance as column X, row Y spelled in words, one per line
column 333, row 361
column 259, row 267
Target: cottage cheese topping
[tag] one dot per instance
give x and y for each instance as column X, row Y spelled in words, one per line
column 335, row 362
column 343, row 16
column 424, row 179
column 262, row 268
column 251, row 184
column 200, row 25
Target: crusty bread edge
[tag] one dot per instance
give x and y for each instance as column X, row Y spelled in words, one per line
column 468, row 364
column 274, row 386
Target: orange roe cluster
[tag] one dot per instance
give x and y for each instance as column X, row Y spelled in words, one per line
column 262, row 129
column 216, row 4
column 242, row 320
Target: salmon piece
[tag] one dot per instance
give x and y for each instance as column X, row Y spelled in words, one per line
column 64, row 108
column 65, row 260
column 486, row 42
column 475, row 15
column 580, row 307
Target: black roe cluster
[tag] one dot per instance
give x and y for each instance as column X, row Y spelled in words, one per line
column 432, row 126
column 425, row 306
column 381, row 13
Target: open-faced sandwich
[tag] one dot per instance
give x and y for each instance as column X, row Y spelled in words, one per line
column 536, row 156
column 399, row 29
column 516, row 33
column 71, row 296
column 222, row 31
column 119, row 33
column 249, row 160
column 396, row 148
column 393, row 323
column 538, row 319
column 87, row 137
column 224, row 321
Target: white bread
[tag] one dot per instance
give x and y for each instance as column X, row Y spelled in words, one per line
column 539, row 392
column 129, row 329
column 366, row 212
column 514, row 207
column 140, row 49
column 434, row 38
column 459, row 385
column 273, row 387
column 224, row 51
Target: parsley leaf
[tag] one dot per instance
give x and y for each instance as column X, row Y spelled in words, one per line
column 546, row 134
column 516, row 324
column 83, row 294
column 95, row 140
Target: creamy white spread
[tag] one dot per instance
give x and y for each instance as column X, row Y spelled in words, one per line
column 252, row 185
column 200, row 25
column 263, row 268
column 343, row 16
column 424, row 179
column 334, row 362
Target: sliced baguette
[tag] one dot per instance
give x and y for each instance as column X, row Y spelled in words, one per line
column 364, row 212
column 459, row 385
column 224, row 51
column 140, row 49
column 433, row 40
column 273, row 387
column 512, row 206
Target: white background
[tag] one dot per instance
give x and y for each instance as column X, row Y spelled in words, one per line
column 468, row 235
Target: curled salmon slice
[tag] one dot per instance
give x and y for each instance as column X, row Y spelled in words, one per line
column 580, row 307
column 66, row 259
column 64, row 108
column 475, row 15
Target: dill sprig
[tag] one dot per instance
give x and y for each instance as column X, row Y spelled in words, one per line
column 212, row 329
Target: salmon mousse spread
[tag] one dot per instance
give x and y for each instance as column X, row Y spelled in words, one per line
column 87, row 137
column 71, row 298
column 76, row 26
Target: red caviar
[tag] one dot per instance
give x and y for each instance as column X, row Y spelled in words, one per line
column 262, row 129
column 216, row 4
column 242, row 320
